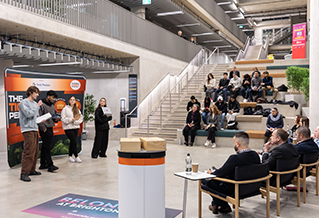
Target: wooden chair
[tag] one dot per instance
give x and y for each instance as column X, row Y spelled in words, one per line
column 286, row 169
column 307, row 162
column 247, row 183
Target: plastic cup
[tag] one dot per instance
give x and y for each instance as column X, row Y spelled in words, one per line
column 195, row 167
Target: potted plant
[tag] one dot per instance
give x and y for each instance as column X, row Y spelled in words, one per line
column 89, row 110
column 298, row 80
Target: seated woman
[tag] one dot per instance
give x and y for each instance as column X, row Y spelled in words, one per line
column 274, row 121
column 192, row 124
column 298, row 123
column 205, row 110
column 213, row 125
column 233, row 108
column 210, row 85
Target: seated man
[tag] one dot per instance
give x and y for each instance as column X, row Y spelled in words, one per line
column 244, row 156
column 191, row 103
column 255, row 86
column 267, row 84
column 233, row 108
column 305, row 142
column 222, row 86
column 246, row 87
column 231, row 73
column 282, row 150
column 255, row 70
column 234, row 85
column 316, row 136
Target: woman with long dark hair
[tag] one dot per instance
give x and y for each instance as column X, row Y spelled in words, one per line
column 210, row 85
column 213, row 125
column 102, row 127
column 71, row 118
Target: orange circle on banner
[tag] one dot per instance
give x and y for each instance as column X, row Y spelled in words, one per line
column 78, row 104
column 59, row 105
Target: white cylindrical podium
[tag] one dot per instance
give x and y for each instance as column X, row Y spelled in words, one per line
column 142, row 184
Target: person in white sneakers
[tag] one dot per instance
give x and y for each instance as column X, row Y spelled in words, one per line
column 213, row 125
column 71, row 118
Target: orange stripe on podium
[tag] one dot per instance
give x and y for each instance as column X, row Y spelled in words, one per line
column 141, row 161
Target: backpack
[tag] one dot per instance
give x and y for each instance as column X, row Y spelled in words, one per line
column 266, row 112
column 232, row 125
column 261, row 100
column 258, row 110
column 282, row 88
column 248, row 110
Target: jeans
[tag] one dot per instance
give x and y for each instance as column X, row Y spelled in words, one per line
column 235, row 92
column 224, row 90
column 222, row 120
column 244, row 92
column 251, row 93
column 205, row 116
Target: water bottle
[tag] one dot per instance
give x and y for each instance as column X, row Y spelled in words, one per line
column 188, row 161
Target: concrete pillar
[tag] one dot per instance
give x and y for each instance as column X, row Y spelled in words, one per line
column 314, row 65
column 139, row 11
column 3, row 135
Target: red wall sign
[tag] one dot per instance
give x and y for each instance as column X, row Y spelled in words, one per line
column 299, row 34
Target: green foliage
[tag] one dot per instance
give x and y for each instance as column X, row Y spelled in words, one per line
column 295, row 77
column 305, row 87
column 89, row 108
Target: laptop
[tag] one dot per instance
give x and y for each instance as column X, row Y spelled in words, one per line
column 107, row 111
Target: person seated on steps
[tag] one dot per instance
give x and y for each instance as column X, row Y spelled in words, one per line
column 244, row 156
column 222, row 86
column 246, row 87
column 192, row 124
column 234, row 85
column 191, row 103
column 255, row 70
column 205, row 110
column 255, row 86
column 233, row 108
column 222, row 107
column 210, row 85
column 267, row 84
column 231, row 73
column 213, row 125
column 274, row 121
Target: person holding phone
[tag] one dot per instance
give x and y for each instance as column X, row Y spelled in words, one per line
column 101, row 131
column 71, row 120
column 46, row 131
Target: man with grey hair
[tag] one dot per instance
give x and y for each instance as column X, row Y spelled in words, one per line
column 244, row 156
column 316, row 136
column 305, row 142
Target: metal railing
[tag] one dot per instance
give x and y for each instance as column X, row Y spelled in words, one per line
column 159, row 92
column 283, row 32
column 263, row 52
column 241, row 53
column 178, row 88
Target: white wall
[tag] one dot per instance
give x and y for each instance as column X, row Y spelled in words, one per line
column 268, row 25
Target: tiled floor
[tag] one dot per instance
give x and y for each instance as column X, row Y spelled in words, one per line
column 99, row 178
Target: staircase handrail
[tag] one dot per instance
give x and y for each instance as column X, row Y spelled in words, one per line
column 169, row 94
column 241, row 53
column 283, row 30
column 264, row 49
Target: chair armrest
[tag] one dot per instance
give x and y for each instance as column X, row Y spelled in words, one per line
column 286, row 172
column 311, row 164
column 242, row 182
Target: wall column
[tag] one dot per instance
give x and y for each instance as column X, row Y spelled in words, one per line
column 3, row 134
column 314, row 65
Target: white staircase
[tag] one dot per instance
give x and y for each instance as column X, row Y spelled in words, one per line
column 176, row 119
column 252, row 52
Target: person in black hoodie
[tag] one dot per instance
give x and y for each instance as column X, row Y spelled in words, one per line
column 246, row 86
column 101, row 139
column 222, row 86
column 222, row 107
column 46, row 131
column 192, row 102
column 233, row 108
column 192, row 124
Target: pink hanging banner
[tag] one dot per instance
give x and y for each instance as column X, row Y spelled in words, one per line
column 299, row 34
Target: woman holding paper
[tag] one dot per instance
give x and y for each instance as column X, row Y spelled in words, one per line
column 71, row 120
column 101, row 139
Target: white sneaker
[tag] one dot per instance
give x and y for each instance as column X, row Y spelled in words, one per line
column 70, row 159
column 221, row 128
column 206, row 143
column 245, row 100
column 78, row 160
column 214, row 145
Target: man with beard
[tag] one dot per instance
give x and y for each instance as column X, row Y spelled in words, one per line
column 46, row 131
column 244, row 156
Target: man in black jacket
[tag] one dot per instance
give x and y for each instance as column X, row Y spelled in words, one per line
column 244, row 156
column 282, row 150
column 191, row 103
column 222, row 86
column 46, row 131
column 233, row 108
column 305, row 142
column 222, row 107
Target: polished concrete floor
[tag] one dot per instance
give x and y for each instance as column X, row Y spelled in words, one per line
column 99, row 178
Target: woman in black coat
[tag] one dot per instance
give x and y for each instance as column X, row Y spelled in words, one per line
column 101, row 139
column 192, row 124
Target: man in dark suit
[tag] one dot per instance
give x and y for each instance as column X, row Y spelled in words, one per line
column 305, row 144
column 244, row 156
column 283, row 149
